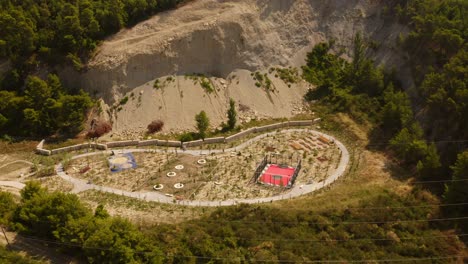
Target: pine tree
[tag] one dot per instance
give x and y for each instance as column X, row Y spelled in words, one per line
column 203, row 122
column 232, row 115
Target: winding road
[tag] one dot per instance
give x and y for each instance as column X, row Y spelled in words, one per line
column 82, row 185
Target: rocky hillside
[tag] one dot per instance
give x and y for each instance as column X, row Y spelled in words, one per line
column 217, row 38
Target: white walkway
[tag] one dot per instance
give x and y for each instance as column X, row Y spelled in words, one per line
column 82, row 185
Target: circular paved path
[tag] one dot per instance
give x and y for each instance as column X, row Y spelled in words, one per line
column 82, row 185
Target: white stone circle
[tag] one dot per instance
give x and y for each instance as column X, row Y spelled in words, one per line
column 179, row 185
column 179, row 167
column 171, row 174
column 158, row 187
column 201, row 161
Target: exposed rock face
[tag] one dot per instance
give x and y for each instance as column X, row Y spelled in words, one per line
column 219, row 37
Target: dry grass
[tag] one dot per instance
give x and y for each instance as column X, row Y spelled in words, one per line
column 370, row 174
column 142, row 212
column 55, row 183
column 18, row 148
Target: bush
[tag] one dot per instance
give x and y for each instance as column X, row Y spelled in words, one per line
column 206, row 84
column 155, row 126
column 99, row 128
column 124, row 100
column 186, row 137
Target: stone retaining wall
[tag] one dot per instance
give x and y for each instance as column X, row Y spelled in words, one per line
column 240, row 134
column 193, row 143
column 44, row 152
column 125, row 143
column 169, row 143
column 214, row 140
column 98, row 146
column 149, row 142
column 271, row 127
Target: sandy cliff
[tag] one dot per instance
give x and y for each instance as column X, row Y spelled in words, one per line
column 221, row 39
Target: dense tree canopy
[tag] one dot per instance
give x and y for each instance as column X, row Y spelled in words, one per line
column 43, row 108
column 63, row 218
column 41, row 34
column 246, row 233
column 438, row 54
column 55, row 29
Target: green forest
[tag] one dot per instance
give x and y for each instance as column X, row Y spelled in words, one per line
column 426, row 133
column 433, row 143
column 38, row 35
column 235, row 234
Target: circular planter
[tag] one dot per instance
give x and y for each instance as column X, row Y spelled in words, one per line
column 201, row 161
column 171, row 174
column 158, row 187
column 179, row 185
column 179, row 167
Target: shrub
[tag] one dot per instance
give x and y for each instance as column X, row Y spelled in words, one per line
column 203, row 122
column 186, row 137
column 99, row 128
column 155, row 126
column 206, row 84
column 124, row 100
column 156, row 84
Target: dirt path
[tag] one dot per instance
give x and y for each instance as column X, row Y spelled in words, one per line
column 23, row 161
column 82, row 185
column 14, row 184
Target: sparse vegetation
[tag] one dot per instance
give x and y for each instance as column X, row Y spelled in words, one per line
column 156, row 84
column 123, row 101
column 288, row 75
column 204, row 81
column 99, row 128
column 155, row 126
column 262, row 81
column 206, row 84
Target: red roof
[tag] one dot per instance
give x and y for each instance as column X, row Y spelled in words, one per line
column 277, row 175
